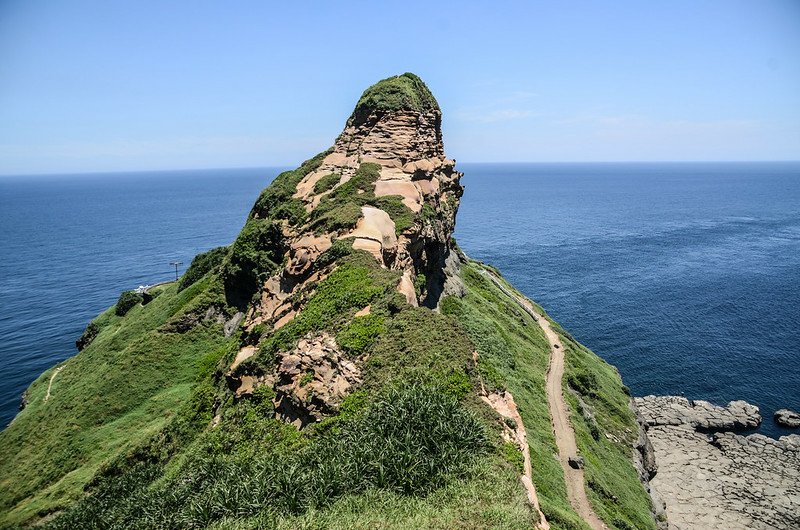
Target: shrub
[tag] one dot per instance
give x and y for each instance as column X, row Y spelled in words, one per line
column 273, row 203
column 360, row 334
column 126, row 301
column 88, row 336
column 400, row 92
column 201, row 264
column 327, row 182
column 254, row 256
column 584, row 382
column 511, row 453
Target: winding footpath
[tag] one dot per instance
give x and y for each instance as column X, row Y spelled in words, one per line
column 559, row 413
column 50, row 384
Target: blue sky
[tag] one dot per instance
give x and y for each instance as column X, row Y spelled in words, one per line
column 107, row 86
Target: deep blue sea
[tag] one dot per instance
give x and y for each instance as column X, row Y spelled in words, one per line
column 684, row 276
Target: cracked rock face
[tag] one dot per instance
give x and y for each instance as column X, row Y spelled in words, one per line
column 702, row 415
column 312, row 380
column 721, row 480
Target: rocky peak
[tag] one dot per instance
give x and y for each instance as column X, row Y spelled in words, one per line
column 386, row 188
column 396, row 121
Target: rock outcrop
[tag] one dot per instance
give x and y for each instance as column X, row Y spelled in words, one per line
column 700, row 415
column 388, row 169
column 721, row 480
column 787, row 418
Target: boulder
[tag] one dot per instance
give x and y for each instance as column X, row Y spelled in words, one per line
column 787, row 418
column 576, row 462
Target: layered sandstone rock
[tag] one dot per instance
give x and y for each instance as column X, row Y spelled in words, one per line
column 395, row 129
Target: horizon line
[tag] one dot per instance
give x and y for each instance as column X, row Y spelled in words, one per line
column 280, row 166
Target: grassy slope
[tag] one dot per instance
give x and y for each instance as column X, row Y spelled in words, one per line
column 514, row 354
column 118, row 392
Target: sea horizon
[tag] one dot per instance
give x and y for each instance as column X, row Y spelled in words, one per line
column 609, row 256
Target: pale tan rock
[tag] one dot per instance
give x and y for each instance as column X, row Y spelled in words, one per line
column 285, row 319
column 244, row 354
column 371, row 246
column 406, row 189
column 246, row 386
column 363, row 312
column 304, row 251
column 406, row 287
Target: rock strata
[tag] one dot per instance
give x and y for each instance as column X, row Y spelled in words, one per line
column 721, row 480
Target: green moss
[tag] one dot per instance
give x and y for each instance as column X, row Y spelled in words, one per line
column 201, row 265
column 401, row 92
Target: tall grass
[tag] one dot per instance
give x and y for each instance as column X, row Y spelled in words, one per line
column 411, row 442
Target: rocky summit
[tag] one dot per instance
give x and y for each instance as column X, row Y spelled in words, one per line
column 343, row 364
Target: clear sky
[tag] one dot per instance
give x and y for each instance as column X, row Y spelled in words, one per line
column 130, row 85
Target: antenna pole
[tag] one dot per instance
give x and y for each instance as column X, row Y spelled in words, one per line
column 175, row 264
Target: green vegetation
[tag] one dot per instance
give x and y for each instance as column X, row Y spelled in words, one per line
column 410, row 441
column 358, row 281
column 142, row 429
column 360, row 334
column 254, row 257
column 420, row 345
column 327, row 183
column 201, row 265
column 341, row 209
column 276, row 201
column 127, row 300
column 601, row 405
column 400, row 92
column 88, row 335
column 120, row 390
column 513, row 355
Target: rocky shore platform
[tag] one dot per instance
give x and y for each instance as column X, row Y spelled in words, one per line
column 710, row 477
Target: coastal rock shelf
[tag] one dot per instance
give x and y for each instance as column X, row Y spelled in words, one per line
column 702, row 415
column 722, row 480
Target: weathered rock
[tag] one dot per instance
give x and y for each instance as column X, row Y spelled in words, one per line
column 232, row 324
column 702, row 415
column 722, row 480
column 311, row 381
column 787, row 418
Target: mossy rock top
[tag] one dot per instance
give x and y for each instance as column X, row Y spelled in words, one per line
column 396, row 93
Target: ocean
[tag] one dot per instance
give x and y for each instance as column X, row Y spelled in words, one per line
column 686, row 276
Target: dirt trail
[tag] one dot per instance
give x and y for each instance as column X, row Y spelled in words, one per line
column 559, row 413
column 50, row 384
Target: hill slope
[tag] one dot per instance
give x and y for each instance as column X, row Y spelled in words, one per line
column 341, row 365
